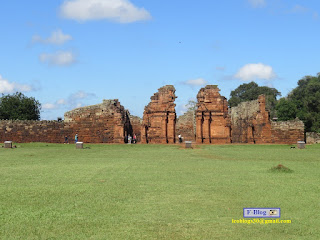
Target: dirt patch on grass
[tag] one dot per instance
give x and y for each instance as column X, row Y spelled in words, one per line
column 280, row 168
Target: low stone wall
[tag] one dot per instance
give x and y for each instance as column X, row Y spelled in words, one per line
column 287, row 132
column 312, row 137
column 107, row 122
column 33, row 131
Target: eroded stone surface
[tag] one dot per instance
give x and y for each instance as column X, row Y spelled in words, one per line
column 159, row 117
column 212, row 122
column 212, row 119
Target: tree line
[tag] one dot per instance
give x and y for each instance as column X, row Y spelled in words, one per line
column 303, row 102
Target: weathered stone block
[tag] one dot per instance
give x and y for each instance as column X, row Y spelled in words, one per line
column 79, row 145
column 8, row 144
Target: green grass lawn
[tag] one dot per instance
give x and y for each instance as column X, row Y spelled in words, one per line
column 54, row 191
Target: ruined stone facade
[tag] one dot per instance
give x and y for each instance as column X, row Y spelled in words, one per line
column 159, row 117
column 250, row 123
column 212, row 123
column 107, row 122
column 212, row 119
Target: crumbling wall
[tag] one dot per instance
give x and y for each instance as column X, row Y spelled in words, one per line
column 33, row 131
column 212, row 119
column 312, row 137
column 186, row 126
column 159, row 117
column 107, row 122
column 250, row 123
column 287, row 132
column 102, row 123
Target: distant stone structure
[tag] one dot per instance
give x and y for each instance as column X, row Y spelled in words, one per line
column 211, row 123
column 108, row 122
column 159, row 117
column 212, row 119
column 250, row 123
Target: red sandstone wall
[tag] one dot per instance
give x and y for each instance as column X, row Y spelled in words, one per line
column 212, row 119
column 102, row 123
column 33, row 131
column 287, row 132
column 159, row 117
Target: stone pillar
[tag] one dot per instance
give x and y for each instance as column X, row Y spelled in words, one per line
column 206, row 128
column 199, row 136
column 164, row 129
column 171, row 127
column 143, row 134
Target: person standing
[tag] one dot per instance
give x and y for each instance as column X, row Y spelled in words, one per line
column 134, row 138
column 76, row 138
column 180, row 138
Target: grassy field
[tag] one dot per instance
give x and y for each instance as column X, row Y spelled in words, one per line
column 53, row 191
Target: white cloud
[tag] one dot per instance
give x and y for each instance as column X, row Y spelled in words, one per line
column 122, row 11
column 81, row 95
column 61, row 58
column 62, row 102
column 253, row 71
column 47, row 106
column 257, row 3
column 57, row 37
column 299, row 9
column 11, row 87
column 196, row 82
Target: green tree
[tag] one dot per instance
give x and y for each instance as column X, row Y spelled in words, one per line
column 251, row 91
column 18, row 106
column 286, row 110
column 306, row 98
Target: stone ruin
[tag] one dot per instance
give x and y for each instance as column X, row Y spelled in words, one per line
column 211, row 123
column 159, row 117
column 212, row 119
column 250, row 123
column 312, row 137
column 107, row 122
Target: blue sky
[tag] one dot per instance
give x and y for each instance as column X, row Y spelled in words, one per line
column 75, row 53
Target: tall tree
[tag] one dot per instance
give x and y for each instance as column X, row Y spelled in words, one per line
column 251, row 91
column 18, row 106
column 306, row 99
